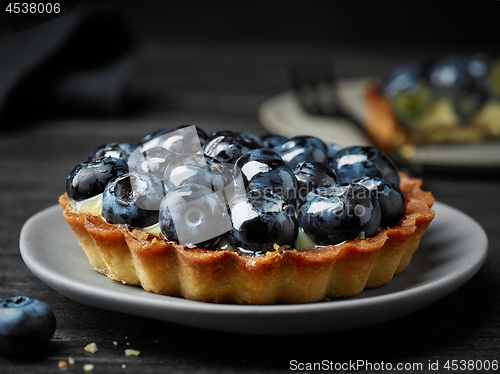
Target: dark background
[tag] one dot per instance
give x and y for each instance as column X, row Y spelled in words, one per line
column 212, row 64
column 458, row 23
column 377, row 21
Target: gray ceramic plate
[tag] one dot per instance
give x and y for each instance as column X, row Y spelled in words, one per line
column 281, row 114
column 451, row 252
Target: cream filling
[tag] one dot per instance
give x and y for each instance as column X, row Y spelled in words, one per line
column 93, row 206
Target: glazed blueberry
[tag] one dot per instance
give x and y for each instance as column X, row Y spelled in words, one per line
column 303, row 148
column 273, row 141
column 332, row 149
column 312, row 175
column 26, row 325
column 227, row 146
column 198, row 169
column 261, row 219
column 153, row 161
column 155, row 135
column 133, row 199
column 357, row 162
column 450, row 73
column 117, row 150
column 193, row 215
column 403, row 79
column 389, row 197
column 251, row 140
column 335, row 214
column 202, row 135
column 180, row 140
column 89, row 179
column 264, row 169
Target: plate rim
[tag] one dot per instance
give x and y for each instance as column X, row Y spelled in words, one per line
column 269, row 118
column 438, row 288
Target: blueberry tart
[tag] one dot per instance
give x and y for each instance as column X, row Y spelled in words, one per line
column 231, row 217
column 455, row 99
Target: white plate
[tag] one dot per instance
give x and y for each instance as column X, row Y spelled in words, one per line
column 282, row 115
column 451, row 252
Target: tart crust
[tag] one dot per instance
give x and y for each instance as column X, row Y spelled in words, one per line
column 164, row 267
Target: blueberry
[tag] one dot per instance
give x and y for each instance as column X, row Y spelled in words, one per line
column 251, row 140
column 335, row 214
column 390, row 198
column 153, row 161
column 261, row 219
column 198, row 169
column 227, row 146
column 26, row 325
column 357, row 162
column 332, row 149
column 133, row 199
column 450, row 73
column 193, row 215
column 312, row 175
column 202, row 135
column 183, row 139
column 89, row 179
column 402, row 79
column 264, row 169
column 303, row 148
column 155, row 135
column 273, row 141
column 117, row 150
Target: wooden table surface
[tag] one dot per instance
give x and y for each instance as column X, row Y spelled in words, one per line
column 221, row 86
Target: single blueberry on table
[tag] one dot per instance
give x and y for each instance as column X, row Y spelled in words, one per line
column 89, row 179
column 390, row 198
column 335, row 214
column 193, row 215
column 26, row 325
column 357, row 162
column 133, row 199
column 312, row 175
column 261, row 219
column 303, row 148
column 264, row 169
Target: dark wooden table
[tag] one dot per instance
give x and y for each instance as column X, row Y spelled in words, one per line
column 221, row 86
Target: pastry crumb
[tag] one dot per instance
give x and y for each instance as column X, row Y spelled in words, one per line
column 92, row 348
column 124, row 366
column 62, row 364
column 132, row 352
column 88, row 367
column 115, row 343
column 71, row 361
